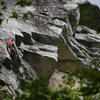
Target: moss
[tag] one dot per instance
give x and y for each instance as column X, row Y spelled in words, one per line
column 52, row 23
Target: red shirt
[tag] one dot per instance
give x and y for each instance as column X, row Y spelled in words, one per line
column 10, row 42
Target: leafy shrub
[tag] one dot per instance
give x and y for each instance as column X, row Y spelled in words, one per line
column 81, row 85
column 26, row 15
column 5, row 96
column 37, row 90
column 24, row 3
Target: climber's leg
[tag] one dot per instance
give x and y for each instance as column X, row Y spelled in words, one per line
column 9, row 50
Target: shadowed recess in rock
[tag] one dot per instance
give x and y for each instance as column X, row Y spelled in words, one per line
column 45, row 39
column 90, row 16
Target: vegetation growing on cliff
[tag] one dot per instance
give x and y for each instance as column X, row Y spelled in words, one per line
column 85, row 83
column 24, row 3
column 88, row 80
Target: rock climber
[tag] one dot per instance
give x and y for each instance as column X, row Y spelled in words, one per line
column 9, row 44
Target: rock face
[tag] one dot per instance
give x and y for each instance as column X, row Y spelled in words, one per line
column 46, row 35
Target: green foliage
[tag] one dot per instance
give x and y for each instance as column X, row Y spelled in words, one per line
column 24, row 3
column 14, row 15
column 37, row 90
column 52, row 23
column 0, row 13
column 30, row 13
column 89, row 80
column 61, row 1
column 5, row 96
column 72, row 19
column 33, row 90
column 3, row 5
column 1, row 21
column 1, row 18
column 26, row 15
column 84, row 83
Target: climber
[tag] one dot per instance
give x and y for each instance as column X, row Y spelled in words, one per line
column 9, row 45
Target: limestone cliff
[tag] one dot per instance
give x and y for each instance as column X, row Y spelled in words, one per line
column 47, row 35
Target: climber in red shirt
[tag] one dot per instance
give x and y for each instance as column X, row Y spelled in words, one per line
column 9, row 44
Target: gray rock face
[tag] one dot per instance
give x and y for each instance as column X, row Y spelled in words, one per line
column 50, row 38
